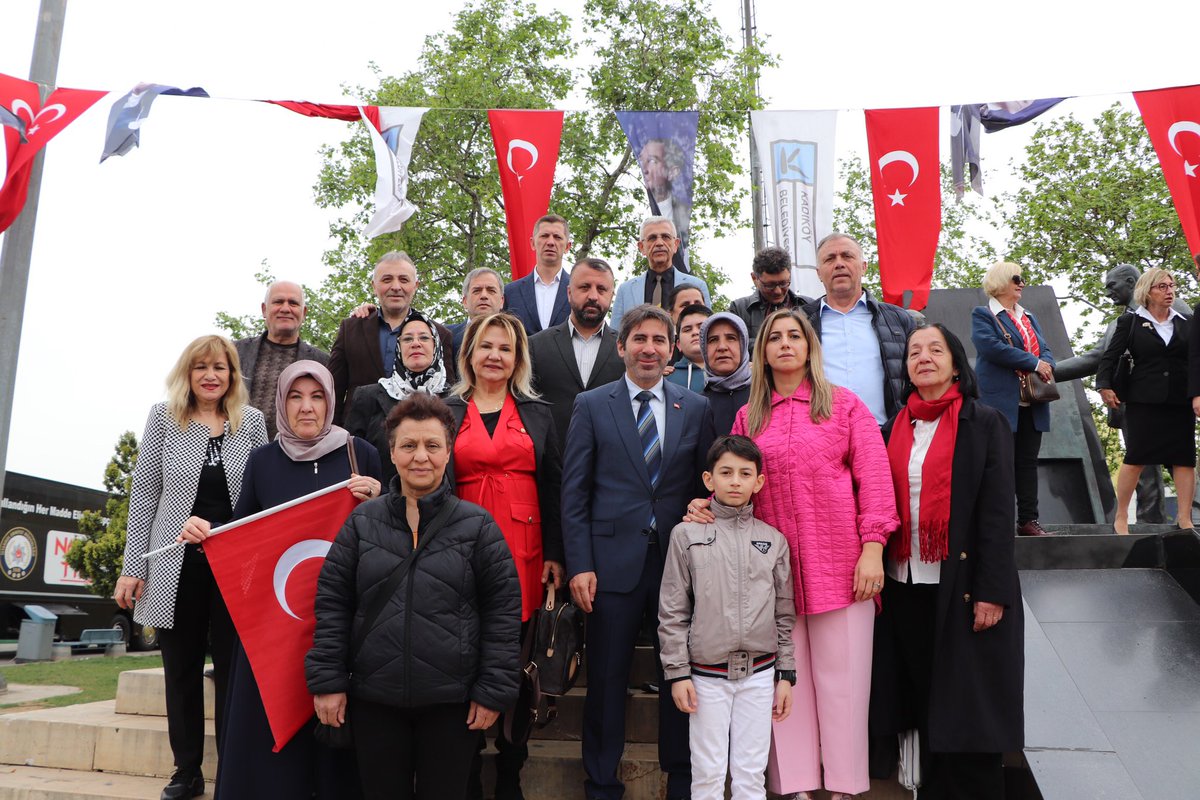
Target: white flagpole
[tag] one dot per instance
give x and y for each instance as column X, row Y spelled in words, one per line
column 254, row 517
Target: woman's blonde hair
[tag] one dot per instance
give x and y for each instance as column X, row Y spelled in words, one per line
column 998, row 276
column 520, row 383
column 762, row 381
column 180, row 400
column 1141, row 289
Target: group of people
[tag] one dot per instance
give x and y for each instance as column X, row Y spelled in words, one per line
column 832, row 474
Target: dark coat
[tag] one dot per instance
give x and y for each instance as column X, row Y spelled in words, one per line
column 556, row 373
column 892, row 325
column 607, row 497
column 366, row 417
column 754, row 310
column 272, row 477
column 356, row 360
column 247, row 350
column 1160, row 371
column 521, row 302
column 449, row 633
column 977, row 699
column 1194, row 355
column 996, row 363
column 539, row 424
column 725, row 406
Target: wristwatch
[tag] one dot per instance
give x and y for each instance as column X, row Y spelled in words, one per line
column 788, row 675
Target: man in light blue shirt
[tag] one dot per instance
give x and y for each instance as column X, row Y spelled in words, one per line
column 862, row 339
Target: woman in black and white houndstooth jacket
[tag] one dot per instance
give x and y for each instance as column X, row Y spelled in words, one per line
column 187, row 477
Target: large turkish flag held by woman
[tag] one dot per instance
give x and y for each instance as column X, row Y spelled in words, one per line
column 1172, row 118
column 906, row 185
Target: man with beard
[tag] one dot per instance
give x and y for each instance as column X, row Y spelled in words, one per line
column 658, row 242
column 539, row 299
column 581, row 353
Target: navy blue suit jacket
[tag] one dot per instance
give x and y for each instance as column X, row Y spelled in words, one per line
column 520, row 301
column 606, row 493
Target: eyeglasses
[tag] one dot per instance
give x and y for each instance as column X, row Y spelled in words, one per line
column 1018, row 280
column 414, row 339
column 774, row 287
column 1165, row 286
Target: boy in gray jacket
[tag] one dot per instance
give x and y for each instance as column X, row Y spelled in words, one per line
column 726, row 613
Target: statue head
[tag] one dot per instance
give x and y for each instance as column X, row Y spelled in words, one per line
column 1119, row 283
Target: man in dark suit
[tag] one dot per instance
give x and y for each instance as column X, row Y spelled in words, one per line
column 264, row 356
column 483, row 293
column 539, row 299
column 365, row 348
column 634, row 456
column 581, row 353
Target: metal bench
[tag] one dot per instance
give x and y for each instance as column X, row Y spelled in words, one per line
column 97, row 638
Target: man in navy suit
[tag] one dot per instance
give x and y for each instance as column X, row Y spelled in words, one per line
column 633, row 459
column 539, row 299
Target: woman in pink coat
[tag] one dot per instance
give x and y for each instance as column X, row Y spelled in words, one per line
column 829, row 491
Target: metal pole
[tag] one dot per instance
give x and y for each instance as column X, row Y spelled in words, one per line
column 18, row 239
column 756, row 202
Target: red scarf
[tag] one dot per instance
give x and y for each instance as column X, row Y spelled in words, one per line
column 933, row 528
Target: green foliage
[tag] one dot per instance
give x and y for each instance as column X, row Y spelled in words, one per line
column 963, row 253
column 100, row 556
column 96, row 678
column 1093, row 196
column 505, row 54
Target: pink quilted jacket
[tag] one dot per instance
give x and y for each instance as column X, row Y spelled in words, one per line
column 828, row 490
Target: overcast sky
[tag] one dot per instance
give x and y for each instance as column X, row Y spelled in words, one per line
column 133, row 258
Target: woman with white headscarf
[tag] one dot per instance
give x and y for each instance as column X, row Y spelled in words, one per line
column 309, row 454
column 725, row 346
column 419, row 368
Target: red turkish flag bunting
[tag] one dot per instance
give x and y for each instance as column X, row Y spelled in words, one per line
column 267, row 566
column 42, row 123
column 526, row 155
column 1172, row 118
column 906, row 185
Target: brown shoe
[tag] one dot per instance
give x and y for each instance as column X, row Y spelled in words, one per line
column 1032, row 528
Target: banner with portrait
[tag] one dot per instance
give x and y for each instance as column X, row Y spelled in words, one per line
column 795, row 156
column 664, row 143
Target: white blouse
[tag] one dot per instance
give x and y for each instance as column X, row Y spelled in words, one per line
column 918, row 570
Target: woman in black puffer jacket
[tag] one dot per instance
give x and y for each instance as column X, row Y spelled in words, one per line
column 441, row 659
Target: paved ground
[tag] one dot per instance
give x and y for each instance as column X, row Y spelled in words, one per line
column 23, row 693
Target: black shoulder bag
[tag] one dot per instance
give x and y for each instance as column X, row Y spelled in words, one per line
column 342, row 737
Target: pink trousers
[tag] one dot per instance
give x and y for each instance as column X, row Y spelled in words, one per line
column 828, row 723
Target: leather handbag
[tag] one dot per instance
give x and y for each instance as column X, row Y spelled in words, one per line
column 1034, row 389
column 1123, row 373
column 342, row 737
column 551, row 657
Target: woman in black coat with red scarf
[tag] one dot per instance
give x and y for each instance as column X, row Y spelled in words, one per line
column 949, row 649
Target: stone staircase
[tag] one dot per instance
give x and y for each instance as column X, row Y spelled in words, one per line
column 119, row 748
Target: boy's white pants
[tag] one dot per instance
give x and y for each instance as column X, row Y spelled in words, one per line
column 731, row 729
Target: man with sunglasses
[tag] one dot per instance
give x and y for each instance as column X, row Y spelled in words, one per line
column 862, row 339
column 771, row 272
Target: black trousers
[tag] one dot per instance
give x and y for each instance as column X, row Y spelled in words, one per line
column 421, row 753
column 1027, row 441
column 199, row 613
column 911, row 610
column 612, row 633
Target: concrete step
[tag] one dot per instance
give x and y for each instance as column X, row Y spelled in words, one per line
column 93, row 736
column 38, row 783
column 140, row 691
column 641, row 718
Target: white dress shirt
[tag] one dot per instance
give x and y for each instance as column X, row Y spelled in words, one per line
column 586, row 348
column 920, row 571
column 658, row 405
column 1165, row 330
column 545, row 294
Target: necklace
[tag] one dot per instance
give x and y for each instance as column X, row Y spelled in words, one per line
column 489, row 408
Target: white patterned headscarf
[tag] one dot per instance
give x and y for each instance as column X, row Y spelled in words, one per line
column 403, row 381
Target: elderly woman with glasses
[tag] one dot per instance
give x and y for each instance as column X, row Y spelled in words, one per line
column 1009, row 343
column 1146, row 367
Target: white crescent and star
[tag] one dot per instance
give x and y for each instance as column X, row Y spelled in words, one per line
column 1183, row 126
column 291, row 558
column 528, row 147
column 897, row 197
column 57, row 109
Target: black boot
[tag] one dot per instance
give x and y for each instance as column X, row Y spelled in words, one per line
column 509, row 760
column 183, row 786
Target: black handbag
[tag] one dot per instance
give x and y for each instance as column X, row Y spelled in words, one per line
column 1122, row 374
column 1034, row 389
column 342, row 737
column 551, row 658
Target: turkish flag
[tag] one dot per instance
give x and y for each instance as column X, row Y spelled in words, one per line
column 267, row 566
column 906, row 185
column 327, row 111
column 42, row 123
column 1172, row 118
column 526, row 154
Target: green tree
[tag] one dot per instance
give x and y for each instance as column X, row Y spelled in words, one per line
column 964, row 252
column 100, row 556
column 505, row 54
column 1093, row 196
